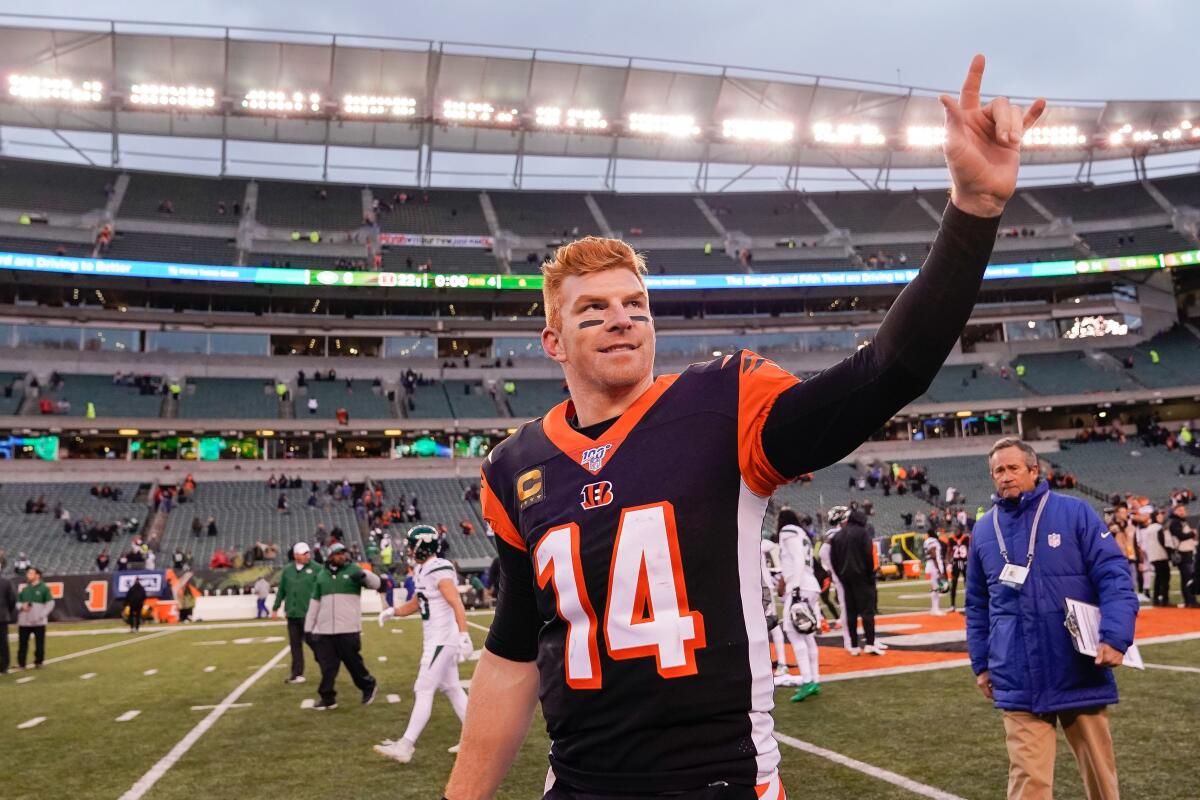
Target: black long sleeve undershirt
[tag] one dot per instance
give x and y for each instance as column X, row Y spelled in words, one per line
column 818, row 421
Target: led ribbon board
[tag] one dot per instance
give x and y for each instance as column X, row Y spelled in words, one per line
column 493, row 282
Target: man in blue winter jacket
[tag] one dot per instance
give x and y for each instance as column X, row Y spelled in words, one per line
column 1030, row 552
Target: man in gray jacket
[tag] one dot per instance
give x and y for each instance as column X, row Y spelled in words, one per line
column 8, row 613
column 334, row 622
column 35, row 604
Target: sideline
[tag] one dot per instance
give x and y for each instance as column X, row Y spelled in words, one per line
column 147, row 781
column 879, row 773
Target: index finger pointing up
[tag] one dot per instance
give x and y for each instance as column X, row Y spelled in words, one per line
column 969, row 98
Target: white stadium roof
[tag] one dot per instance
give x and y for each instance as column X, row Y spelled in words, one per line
column 420, row 97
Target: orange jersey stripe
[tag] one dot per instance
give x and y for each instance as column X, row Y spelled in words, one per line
column 495, row 515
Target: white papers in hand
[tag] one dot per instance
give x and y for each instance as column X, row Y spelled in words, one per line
column 1083, row 622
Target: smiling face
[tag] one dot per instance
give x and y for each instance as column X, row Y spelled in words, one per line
column 1012, row 473
column 605, row 336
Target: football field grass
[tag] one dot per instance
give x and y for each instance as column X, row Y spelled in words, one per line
column 931, row 731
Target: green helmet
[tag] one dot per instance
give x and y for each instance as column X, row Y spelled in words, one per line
column 422, row 541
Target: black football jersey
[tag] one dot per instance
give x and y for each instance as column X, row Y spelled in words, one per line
column 638, row 553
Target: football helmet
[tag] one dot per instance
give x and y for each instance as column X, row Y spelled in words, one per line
column 422, row 542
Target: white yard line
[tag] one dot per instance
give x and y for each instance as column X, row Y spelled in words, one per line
column 26, row 679
column 887, row 776
column 477, row 626
column 231, row 705
column 31, row 723
column 1168, row 639
column 393, row 698
column 904, row 670
column 1173, row 668
column 87, row 676
column 104, row 647
column 147, row 781
column 128, row 715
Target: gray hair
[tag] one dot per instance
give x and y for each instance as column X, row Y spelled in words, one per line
column 1031, row 456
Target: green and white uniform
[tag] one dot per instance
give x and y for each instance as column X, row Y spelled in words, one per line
column 439, row 628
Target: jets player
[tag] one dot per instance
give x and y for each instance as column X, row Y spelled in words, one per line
column 935, row 569
column 782, row 676
column 444, row 628
column 801, row 612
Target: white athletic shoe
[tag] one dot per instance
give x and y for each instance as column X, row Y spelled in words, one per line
column 937, row 613
column 401, row 751
column 873, row 650
column 880, row 645
column 454, row 749
column 853, row 651
column 780, row 671
column 787, row 679
column 295, row 679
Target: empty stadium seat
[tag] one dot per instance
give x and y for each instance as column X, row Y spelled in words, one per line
column 194, row 199
column 439, row 211
column 654, row 215
column 765, row 213
column 968, row 382
column 361, row 400
column 1071, row 373
column 237, row 398
column 549, row 214
column 32, row 186
column 171, row 248
column 111, row 400
column 1087, row 202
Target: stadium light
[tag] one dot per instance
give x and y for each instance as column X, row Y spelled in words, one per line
column 1053, row 136
column 276, row 100
column 465, row 111
column 157, row 94
column 756, row 130
column 678, row 125
column 33, row 87
column 577, row 118
column 1184, row 130
column 846, row 133
column 926, row 136
column 371, row 105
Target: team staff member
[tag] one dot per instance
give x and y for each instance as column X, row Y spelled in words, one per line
column 35, row 604
column 8, row 613
column 294, row 594
column 640, row 492
column 335, row 624
column 1185, row 549
column 853, row 559
column 1033, row 550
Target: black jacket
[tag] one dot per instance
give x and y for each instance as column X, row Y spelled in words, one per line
column 852, row 555
column 136, row 596
column 8, row 601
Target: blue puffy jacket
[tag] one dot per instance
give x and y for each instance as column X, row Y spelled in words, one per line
column 1019, row 635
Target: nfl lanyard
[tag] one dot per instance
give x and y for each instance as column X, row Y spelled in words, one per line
column 1013, row 575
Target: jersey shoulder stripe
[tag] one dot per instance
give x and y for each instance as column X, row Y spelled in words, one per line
column 760, row 382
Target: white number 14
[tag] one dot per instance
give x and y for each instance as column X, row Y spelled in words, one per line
column 647, row 612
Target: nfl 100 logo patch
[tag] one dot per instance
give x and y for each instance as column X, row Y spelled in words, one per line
column 1054, row 540
column 593, row 458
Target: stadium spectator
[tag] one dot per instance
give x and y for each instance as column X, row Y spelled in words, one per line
column 282, row 504
column 212, row 526
column 135, row 601
column 22, row 564
column 1039, row 688
column 166, row 207
column 34, row 606
column 336, row 627
column 219, row 560
column 294, row 594
column 312, row 405
column 1184, row 539
column 186, row 599
column 262, row 590
column 8, row 615
column 102, row 560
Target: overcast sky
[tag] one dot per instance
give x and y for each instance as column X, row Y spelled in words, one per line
column 1102, row 49
column 1067, row 49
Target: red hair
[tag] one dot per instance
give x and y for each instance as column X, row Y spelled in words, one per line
column 583, row 257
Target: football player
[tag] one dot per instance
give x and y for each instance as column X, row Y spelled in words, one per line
column 802, row 610
column 446, row 641
column 935, row 570
column 960, row 548
column 770, row 610
column 836, row 517
column 628, row 519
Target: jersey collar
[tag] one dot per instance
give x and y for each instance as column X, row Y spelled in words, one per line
column 574, row 445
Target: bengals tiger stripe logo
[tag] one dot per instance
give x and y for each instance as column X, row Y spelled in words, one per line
column 595, row 495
